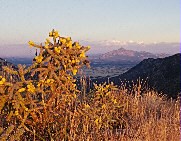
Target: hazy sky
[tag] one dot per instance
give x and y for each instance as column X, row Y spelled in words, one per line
column 90, row 20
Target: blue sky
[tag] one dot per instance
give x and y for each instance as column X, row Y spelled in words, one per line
column 90, row 21
column 138, row 20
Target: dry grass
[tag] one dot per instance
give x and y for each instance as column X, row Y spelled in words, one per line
column 151, row 117
column 109, row 114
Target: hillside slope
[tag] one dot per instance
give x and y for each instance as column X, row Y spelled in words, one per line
column 162, row 74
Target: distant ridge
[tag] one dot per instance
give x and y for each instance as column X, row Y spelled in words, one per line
column 122, row 54
column 4, row 62
column 162, row 74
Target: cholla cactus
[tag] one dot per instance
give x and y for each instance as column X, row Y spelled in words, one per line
column 45, row 90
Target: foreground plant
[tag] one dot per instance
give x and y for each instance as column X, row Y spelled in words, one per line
column 44, row 94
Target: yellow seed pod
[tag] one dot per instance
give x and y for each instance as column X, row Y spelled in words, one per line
column 87, row 106
column 69, row 45
column 50, row 34
column 31, row 43
column 56, row 34
column 82, row 54
column 65, row 67
column 73, row 61
column 63, row 41
column 38, row 85
column 114, row 101
column 16, row 113
column 48, row 81
column 108, row 93
column 103, row 106
column 31, row 88
column 97, row 121
column 1, row 82
column 78, row 47
column 76, row 43
column 68, row 38
column 77, row 61
column 74, row 71
column 57, row 49
column 39, row 59
column 21, row 90
column 74, row 95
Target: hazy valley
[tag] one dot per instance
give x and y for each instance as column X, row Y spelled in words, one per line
column 117, row 65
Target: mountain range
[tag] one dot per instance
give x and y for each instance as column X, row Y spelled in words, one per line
column 97, row 47
column 122, row 54
column 101, row 47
